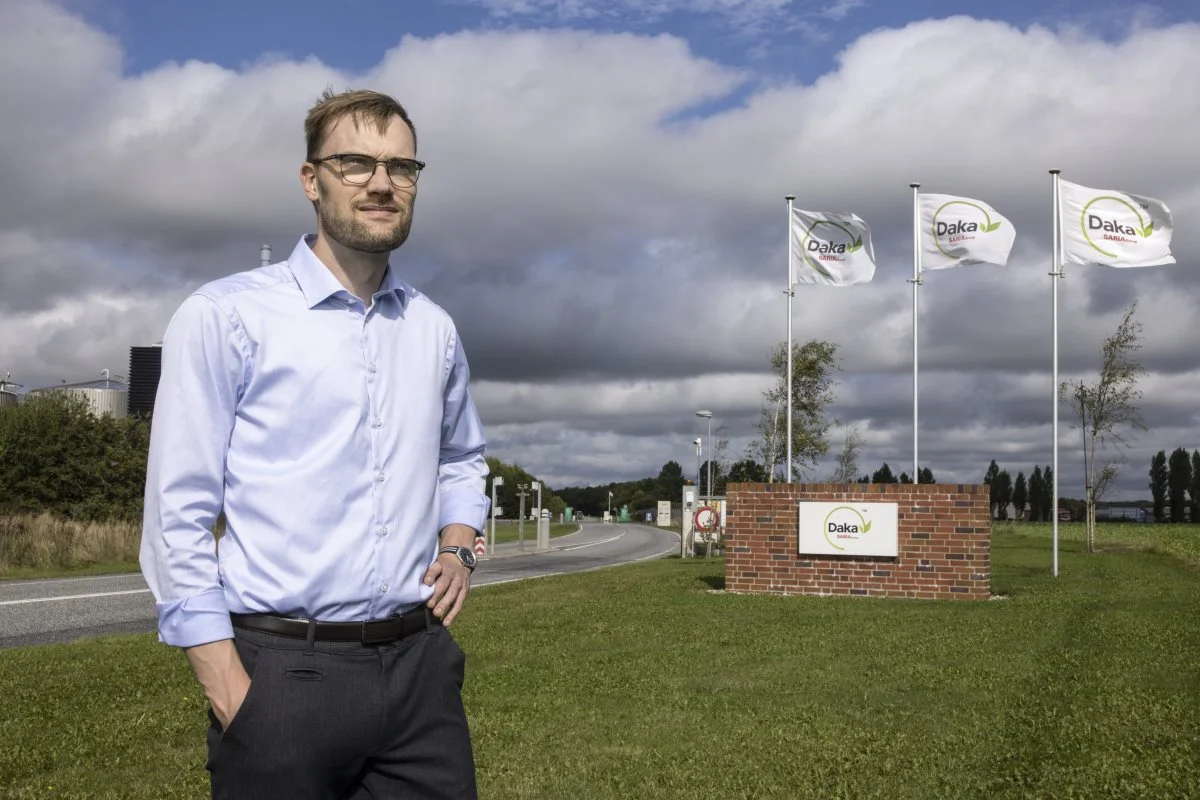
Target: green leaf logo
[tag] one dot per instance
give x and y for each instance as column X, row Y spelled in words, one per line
column 857, row 245
column 867, row 527
column 1149, row 229
column 992, row 227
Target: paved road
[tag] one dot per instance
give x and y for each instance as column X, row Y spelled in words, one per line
column 68, row 609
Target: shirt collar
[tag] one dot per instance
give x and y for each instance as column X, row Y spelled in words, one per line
column 317, row 283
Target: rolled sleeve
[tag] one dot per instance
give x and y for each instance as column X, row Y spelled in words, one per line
column 462, row 468
column 199, row 385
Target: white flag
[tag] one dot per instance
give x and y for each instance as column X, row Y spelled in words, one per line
column 958, row 231
column 1113, row 229
column 830, row 249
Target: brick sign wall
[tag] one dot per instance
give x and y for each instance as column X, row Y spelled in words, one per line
column 944, row 544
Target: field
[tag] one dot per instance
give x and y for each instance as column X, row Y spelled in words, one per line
column 644, row 682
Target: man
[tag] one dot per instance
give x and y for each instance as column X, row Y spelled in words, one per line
column 321, row 404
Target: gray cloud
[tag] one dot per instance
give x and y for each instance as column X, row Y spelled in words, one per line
column 606, row 223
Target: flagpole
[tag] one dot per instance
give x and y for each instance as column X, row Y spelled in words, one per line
column 1055, row 276
column 788, row 378
column 916, row 282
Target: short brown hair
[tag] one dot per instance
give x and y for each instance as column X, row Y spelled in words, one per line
column 364, row 105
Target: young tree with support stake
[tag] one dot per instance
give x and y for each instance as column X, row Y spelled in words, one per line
column 812, row 389
column 1108, row 408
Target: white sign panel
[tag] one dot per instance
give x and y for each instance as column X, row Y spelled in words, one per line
column 849, row 529
column 664, row 513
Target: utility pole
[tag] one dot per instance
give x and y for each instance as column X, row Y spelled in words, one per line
column 522, row 492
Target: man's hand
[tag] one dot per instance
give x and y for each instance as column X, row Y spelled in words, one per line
column 451, row 581
column 220, row 671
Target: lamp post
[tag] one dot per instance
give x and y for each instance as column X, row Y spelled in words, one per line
column 708, row 415
column 496, row 481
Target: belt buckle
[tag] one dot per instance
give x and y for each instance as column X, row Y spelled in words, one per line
column 381, row 624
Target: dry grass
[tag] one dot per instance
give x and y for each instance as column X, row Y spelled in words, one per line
column 45, row 540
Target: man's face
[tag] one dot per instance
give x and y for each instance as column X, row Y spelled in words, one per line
column 375, row 217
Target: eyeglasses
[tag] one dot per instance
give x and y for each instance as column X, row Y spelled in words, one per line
column 358, row 170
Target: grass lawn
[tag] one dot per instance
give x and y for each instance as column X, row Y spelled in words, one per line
column 640, row 682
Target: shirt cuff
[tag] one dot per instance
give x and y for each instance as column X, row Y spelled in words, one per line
column 195, row 620
column 465, row 507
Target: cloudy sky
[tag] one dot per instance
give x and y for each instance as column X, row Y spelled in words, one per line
column 604, row 213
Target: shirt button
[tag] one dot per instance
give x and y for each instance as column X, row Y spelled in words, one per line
column 383, row 588
column 372, row 369
column 379, row 477
column 383, row 531
column 378, row 423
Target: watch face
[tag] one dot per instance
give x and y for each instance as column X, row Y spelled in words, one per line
column 467, row 556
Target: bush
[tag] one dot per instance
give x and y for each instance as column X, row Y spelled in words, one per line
column 58, row 457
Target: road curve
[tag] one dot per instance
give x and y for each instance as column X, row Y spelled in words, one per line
column 68, row 609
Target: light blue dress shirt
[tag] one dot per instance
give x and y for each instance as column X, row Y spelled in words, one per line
column 339, row 441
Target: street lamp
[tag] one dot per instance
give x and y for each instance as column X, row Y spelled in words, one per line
column 708, row 415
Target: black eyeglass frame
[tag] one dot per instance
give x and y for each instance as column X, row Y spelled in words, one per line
column 386, row 163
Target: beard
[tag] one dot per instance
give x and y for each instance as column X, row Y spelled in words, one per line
column 339, row 224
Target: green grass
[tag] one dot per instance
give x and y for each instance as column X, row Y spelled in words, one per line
column 1177, row 540
column 32, row 573
column 640, row 682
column 507, row 531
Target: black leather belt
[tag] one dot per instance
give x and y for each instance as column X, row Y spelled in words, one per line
column 374, row 631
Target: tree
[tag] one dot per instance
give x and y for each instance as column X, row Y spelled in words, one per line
column 847, row 463
column 1194, row 488
column 989, row 480
column 1179, row 479
column 1037, row 494
column 904, row 478
column 747, row 471
column 1020, row 495
column 1048, row 499
column 1158, row 485
column 670, row 480
column 812, row 390
column 1108, row 407
column 883, row 475
column 1002, row 493
column 925, row 475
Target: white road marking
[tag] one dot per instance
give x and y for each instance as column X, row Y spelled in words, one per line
column 593, row 544
column 70, row 597
column 575, row 571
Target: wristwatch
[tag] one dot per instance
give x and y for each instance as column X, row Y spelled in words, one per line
column 465, row 554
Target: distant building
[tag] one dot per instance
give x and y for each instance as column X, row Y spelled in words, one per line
column 145, row 366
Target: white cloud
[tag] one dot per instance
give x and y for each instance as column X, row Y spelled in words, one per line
column 614, row 258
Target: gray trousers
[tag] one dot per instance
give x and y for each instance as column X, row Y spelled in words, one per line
column 346, row 721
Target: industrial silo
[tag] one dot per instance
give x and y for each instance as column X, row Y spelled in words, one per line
column 8, row 392
column 104, row 397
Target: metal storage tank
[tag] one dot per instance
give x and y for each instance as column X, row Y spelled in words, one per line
column 106, row 396
column 8, row 392
column 145, row 364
